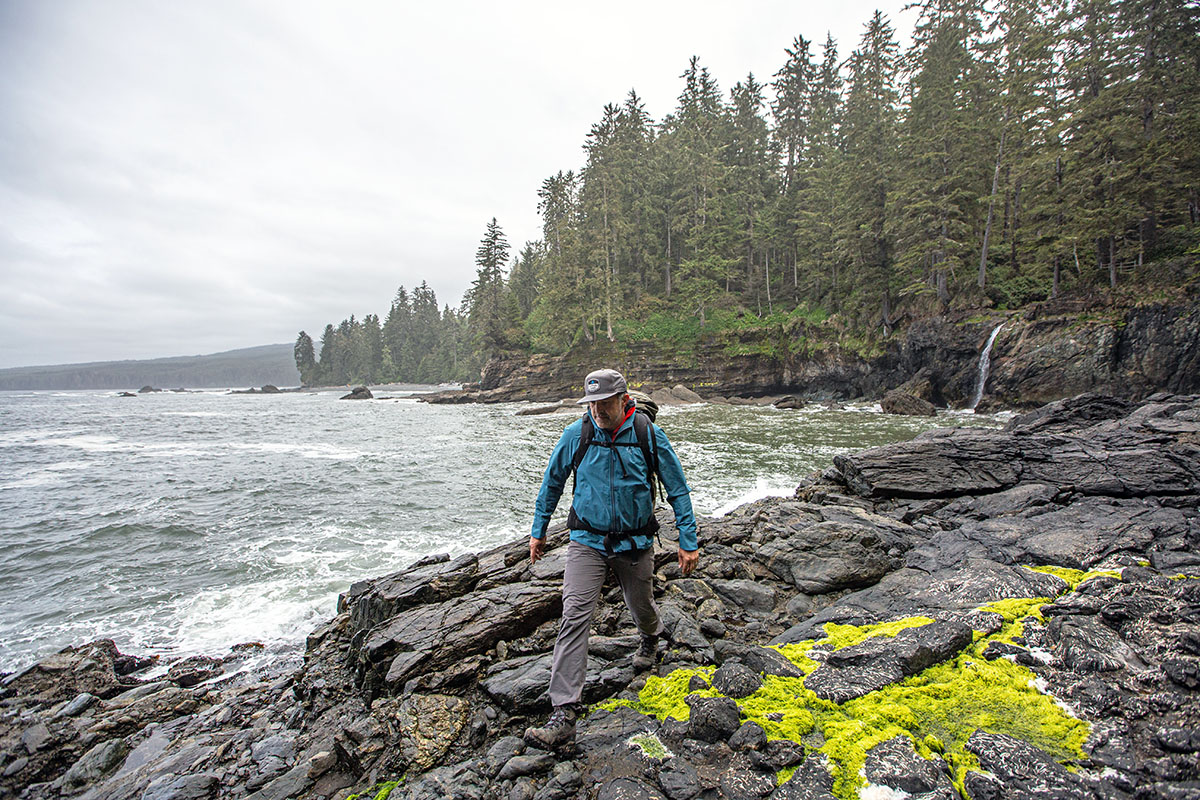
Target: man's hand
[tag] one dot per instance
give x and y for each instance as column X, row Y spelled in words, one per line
column 537, row 549
column 688, row 560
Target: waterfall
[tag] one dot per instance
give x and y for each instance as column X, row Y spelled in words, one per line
column 985, row 363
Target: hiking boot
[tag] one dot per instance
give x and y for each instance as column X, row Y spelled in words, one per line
column 646, row 655
column 557, row 733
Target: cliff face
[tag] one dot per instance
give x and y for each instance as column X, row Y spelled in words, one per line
column 1044, row 354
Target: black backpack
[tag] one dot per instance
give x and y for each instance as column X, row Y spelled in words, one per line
column 645, row 411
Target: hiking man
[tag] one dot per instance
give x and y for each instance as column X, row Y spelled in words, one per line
column 612, row 527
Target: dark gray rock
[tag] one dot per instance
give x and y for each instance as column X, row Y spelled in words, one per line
column 1183, row 671
column 432, row 637
column 1070, row 413
column 896, row 402
column 679, row 779
column 430, row 580
column 828, row 556
column 734, row 679
column 712, row 719
column 519, row 766
column 1085, row 644
column 359, row 393
column 628, row 789
column 101, row 759
column 500, row 753
column 80, row 704
column 811, row 781
column 608, row 731
column 746, row 594
column 780, row 753
column 739, row 781
column 750, row 736
column 855, row 671
column 452, row 782
column 684, row 631
column 894, row 763
column 522, row 684
column 1024, row 770
column 197, row 786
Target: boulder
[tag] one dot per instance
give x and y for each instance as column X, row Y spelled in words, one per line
column 896, row 765
column 903, row 403
column 862, row 668
column 712, row 719
column 359, row 393
column 828, row 556
column 734, row 679
column 1023, row 770
column 434, row 636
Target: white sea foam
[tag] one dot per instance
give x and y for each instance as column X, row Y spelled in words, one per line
column 763, row 488
column 326, row 451
column 202, row 414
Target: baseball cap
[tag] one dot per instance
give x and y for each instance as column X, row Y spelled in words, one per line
column 601, row 385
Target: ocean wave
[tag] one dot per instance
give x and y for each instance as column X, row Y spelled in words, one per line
column 763, row 488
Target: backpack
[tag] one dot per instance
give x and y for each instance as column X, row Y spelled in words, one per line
column 645, row 412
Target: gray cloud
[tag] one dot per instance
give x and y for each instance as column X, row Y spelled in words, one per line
column 180, row 178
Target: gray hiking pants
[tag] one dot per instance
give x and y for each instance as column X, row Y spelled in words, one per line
column 583, row 578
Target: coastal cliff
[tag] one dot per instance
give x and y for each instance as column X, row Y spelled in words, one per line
column 980, row 613
column 1045, row 352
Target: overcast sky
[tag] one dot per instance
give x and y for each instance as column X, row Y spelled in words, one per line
column 188, row 177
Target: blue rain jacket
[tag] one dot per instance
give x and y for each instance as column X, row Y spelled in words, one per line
column 612, row 488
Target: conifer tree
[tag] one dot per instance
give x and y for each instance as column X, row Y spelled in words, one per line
column 306, row 362
column 865, row 219
column 484, row 298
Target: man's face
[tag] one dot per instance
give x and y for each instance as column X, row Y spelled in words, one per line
column 608, row 413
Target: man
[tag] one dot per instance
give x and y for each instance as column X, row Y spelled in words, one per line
column 612, row 527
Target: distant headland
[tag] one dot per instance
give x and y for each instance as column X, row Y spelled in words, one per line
column 248, row 366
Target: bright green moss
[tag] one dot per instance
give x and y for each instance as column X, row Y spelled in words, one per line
column 1074, row 577
column 666, row 696
column 1018, row 608
column 937, row 709
column 651, row 746
column 381, row 791
column 798, row 654
column 839, row 636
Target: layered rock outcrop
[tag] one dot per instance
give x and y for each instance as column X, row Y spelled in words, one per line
column 978, row 613
column 1047, row 352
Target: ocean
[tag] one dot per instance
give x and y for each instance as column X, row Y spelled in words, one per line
column 186, row 523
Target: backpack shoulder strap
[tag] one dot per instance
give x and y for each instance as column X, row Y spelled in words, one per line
column 587, row 432
column 641, row 428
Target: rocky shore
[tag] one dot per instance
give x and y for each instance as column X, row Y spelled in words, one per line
column 983, row 613
column 1045, row 352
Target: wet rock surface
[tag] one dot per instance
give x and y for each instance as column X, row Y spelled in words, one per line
column 433, row 672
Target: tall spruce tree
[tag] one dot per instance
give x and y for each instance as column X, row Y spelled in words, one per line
column 485, row 297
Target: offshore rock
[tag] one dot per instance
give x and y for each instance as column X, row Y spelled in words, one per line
column 903, row 403
column 359, row 393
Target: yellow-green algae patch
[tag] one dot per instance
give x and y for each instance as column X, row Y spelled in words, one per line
column 380, row 791
column 651, row 746
column 839, row 636
column 1074, row 577
column 937, row 709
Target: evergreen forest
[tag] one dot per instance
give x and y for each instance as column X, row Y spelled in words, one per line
column 1018, row 151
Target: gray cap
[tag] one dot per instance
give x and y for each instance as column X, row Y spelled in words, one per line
column 601, row 385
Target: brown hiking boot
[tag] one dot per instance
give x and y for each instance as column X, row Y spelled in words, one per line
column 557, row 733
column 646, row 655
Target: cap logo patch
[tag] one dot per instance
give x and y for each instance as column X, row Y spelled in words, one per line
column 593, row 385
